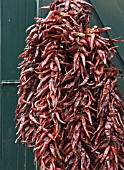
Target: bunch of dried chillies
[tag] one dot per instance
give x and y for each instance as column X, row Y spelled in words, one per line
column 69, row 108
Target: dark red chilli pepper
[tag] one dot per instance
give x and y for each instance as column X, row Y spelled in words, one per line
column 69, row 109
column 105, row 153
column 91, row 40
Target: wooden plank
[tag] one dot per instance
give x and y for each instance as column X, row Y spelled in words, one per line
column 10, row 152
column 21, row 26
column 15, row 19
column 15, row 156
column 17, row 16
column 20, row 156
column 9, row 39
column 30, row 12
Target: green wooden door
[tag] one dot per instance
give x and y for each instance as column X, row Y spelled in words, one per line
column 15, row 17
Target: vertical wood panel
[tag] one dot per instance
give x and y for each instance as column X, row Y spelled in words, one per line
column 22, row 26
column 16, row 17
column 8, row 153
column 9, row 149
column 9, row 39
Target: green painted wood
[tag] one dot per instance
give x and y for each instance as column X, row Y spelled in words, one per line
column 14, row 156
column 9, row 39
column 21, row 26
column 30, row 9
column 30, row 159
column 10, row 154
column 16, row 16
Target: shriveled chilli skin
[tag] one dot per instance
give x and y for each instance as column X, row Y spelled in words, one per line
column 105, row 153
column 102, row 144
column 69, row 109
column 84, row 126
